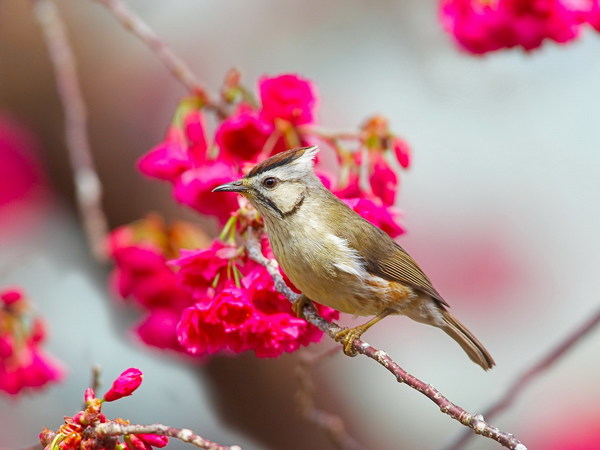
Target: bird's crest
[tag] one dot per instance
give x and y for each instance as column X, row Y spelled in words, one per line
column 301, row 157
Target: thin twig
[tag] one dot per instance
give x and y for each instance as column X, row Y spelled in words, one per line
column 473, row 421
column 183, row 434
column 332, row 424
column 88, row 189
column 96, row 372
column 539, row 368
column 174, row 64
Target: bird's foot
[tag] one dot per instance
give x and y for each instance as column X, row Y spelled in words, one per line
column 298, row 305
column 346, row 337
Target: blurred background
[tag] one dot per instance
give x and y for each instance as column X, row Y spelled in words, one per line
column 501, row 206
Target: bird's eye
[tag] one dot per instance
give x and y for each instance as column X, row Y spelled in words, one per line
column 269, row 182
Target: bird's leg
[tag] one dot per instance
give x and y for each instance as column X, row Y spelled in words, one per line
column 348, row 335
column 298, row 305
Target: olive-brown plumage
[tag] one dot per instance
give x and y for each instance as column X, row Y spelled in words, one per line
column 337, row 258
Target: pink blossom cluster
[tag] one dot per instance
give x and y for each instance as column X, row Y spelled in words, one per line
column 23, row 364
column 481, row 26
column 209, row 298
column 203, row 301
column 78, row 431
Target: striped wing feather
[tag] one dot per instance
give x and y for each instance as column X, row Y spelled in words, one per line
column 383, row 256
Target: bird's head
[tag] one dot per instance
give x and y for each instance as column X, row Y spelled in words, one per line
column 277, row 186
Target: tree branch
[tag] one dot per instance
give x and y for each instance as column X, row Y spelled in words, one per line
column 473, row 421
column 88, row 189
column 539, row 368
column 174, row 64
column 183, row 434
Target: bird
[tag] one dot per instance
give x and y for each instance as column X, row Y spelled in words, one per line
column 337, row 258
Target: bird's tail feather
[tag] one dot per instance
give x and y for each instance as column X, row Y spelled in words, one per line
column 469, row 343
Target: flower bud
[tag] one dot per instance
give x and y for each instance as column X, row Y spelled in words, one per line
column 89, row 395
column 124, row 385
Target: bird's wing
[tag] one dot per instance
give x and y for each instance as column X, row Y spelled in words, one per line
column 397, row 265
column 385, row 258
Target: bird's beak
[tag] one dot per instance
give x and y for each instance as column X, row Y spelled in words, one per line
column 236, row 186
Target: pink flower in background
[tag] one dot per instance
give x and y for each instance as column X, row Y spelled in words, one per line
column 195, row 132
column 402, row 152
column 380, row 216
column 159, row 328
column 287, row 97
column 168, row 160
column 194, row 189
column 384, row 181
column 23, row 364
column 142, row 274
column 481, row 26
column 242, row 136
column 124, row 385
column 24, row 192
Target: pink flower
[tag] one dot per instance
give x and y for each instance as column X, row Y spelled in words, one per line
column 124, row 385
column 159, row 329
column 193, row 124
column 252, row 317
column 384, row 181
column 481, row 26
column 197, row 334
column 20, row 174
column 89, row 395
column 243, row 136
column 23, row 364
column 145, row 441
column 11, row 296
column 287, row 97
column 380, row 216
column 168, row 160
column 593, row 15
column 29, row 369
column 198, row 269
column 194, row 189
column 402, row 152
column 154, row 440
column 142, row 274
column 181, row 150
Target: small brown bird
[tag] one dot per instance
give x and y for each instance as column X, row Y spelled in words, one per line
column 337, row 258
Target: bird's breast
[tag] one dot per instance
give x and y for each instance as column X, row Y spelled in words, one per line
column 328, row 271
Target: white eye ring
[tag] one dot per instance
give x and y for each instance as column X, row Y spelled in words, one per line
column 270, row 182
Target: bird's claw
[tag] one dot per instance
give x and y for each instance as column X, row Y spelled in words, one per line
column 298, row 306
column 346, row 337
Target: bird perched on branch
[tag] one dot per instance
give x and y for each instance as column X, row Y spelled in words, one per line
column 337, row 258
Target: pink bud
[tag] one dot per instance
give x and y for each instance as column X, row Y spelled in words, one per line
column 11, row 296
column 402, row 151
column 124, row 385
column 154, row 440
column 132, row 442
column 89, row 395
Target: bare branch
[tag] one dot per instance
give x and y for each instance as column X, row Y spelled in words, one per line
column 183, row 434
column 88, row 189
column 473, row 421
column 332, row 424
column 174, row 64
column 539, row 368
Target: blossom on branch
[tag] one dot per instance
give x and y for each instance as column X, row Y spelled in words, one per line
column 481, row 26
column 207, row 299
column 79, row 431
column 23, row 364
